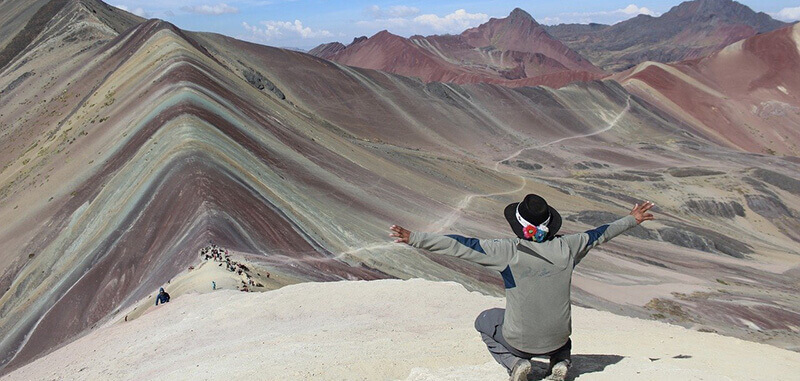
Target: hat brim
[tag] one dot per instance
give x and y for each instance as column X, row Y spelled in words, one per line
column 511, row 216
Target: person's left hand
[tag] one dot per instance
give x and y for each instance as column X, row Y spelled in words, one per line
column 400, row 233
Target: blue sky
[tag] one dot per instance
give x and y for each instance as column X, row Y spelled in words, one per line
column 307, row 23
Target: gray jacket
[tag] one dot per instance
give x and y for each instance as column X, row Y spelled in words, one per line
column 537, row 278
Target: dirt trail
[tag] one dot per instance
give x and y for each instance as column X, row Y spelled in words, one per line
column 451, row 218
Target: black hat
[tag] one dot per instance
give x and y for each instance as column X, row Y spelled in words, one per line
column 535, row 210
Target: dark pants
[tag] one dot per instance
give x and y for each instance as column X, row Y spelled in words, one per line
column 490, row 324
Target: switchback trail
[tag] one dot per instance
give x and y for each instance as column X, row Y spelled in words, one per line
column 611, row 125
column 451, row 218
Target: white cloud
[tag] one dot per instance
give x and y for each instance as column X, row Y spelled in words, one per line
column 632, row 9
column 551, row 20
column 273, row 30
column 787, row 14
column 613, row 16
column 396, row 11
column 138, row 11
column 218, row 9
column 455, row 22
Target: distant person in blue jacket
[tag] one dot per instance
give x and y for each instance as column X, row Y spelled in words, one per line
column 162, row 297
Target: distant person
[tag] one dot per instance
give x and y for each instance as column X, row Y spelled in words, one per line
column 213, row 285
column 537, row 272
column 162, row 297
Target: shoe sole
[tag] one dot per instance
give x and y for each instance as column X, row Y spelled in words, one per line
column 559, row 373
column 520, row 373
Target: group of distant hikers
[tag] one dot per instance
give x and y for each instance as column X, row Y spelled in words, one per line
column 214, row 252
column 536, row 268
column 219, row 254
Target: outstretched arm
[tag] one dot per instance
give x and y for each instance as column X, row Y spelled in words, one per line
column 492, row 253
column 580, row 244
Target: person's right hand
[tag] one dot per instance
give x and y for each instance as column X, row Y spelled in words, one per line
column 640, row 212
column 401, row 234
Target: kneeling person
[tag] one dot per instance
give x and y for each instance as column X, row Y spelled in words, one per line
column 536, row 268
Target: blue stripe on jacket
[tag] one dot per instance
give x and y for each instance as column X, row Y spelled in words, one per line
column 475, row 244
column 595, row 234
column 508, row 278
column 472, row 243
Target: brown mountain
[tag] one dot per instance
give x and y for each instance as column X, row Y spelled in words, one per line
column 513, row 51
column 692, row 29
column 519, row 32
column 742, row 96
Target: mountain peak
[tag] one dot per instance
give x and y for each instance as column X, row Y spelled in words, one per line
column 713, row 6
column 383, row 34
column 519, row 13
column 719, row 5
column 728, row 10
column 519, row 32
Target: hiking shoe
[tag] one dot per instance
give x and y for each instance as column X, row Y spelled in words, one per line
column 521, row 370
column 559, row 371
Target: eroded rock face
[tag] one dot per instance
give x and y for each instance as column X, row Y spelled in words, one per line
column 262, row 83
column 686, row 238
column 711, row 207
column 13, row 85
column 589, row 165
column 773, row 209
column 789, row 184
column 524, row 165
column 767, row 206
column 693, row 172
column 705, row 240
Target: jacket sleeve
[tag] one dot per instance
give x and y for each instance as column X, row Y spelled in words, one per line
column 492, row 253
column 579, row 244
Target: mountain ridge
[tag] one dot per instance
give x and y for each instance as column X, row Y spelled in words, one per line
column 692, row 29
column 513, row 51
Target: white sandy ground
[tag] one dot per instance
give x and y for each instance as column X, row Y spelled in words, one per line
column 381, row 330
